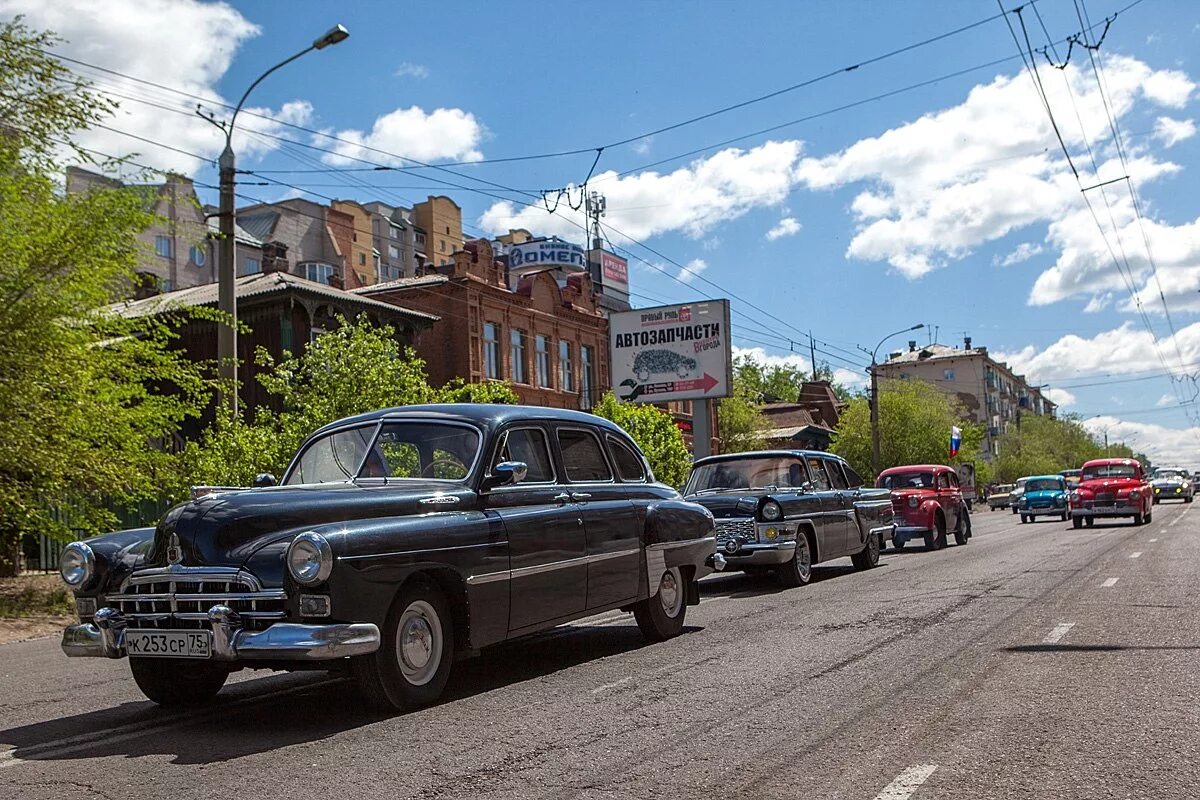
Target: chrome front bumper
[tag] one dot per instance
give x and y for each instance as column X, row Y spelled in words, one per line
column 1052, row 511
column 761, row 555
column 283, row 641
column 1107, row 511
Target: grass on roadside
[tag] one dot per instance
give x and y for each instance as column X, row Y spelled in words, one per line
column 33, row 595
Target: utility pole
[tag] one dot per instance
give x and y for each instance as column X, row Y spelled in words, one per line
column 227, row 363
column 875, row 395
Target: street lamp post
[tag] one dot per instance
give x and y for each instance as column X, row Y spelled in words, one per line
column 875, row 397
column 227, row 270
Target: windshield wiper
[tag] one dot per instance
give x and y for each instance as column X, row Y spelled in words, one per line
column 714, row 490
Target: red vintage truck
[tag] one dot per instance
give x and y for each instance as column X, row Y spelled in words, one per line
column 927, row 501
column 1112, row 487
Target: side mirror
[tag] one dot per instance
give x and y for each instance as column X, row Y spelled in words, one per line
column 264, row 479
column 506, row 473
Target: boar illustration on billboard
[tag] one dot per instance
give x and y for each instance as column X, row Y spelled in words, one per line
column 662, row 362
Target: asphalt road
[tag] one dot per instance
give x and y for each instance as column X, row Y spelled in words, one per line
column 1035, row 661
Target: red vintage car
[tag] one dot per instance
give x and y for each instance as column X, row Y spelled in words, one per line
column 927, row 501
column 1112, row 487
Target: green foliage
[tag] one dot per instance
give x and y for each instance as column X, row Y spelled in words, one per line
column 742, row 424
column 779, row 383
column 1045, row 445
column 655, row 433
column 88, row 398
column 914, row 428
column 351, row 369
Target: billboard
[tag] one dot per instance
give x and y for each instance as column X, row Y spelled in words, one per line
column 553, row 252
column 614, row 270
column 676, row 352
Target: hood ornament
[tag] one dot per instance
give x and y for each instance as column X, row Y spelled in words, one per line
column 174, row 552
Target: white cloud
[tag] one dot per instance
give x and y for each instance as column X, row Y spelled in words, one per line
column 1167, row 400
column 1061, row 397
column 846, row 377
column 711, row 243
column 1163, row 445
column 408, row 69
column 1123, row 350
column 184, row 44
column 412, row 133
column 1023, row 252
column 952, row 180
column 692, row 199
column 788, row 226
column 1173, row 131
column 691, row 270
column 642, row 146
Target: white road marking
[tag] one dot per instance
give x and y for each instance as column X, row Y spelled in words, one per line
column 907, row 782
column 1136, row 554
column 1154, row 540
column 1179, row 519
column 1110, row 582
column 1060, row 630
column 613, row 685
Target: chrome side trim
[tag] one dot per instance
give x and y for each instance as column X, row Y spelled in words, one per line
column 537, row 569
column 488, row 577
column 684, row 543
column 418, row 552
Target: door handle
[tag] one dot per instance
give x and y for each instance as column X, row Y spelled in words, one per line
column 580, row 497
column 562, row 497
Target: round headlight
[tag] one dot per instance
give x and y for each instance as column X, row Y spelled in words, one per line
column 771, row 511
column 1135, row 494
column 309, row 558
column 77, row 564
column 913, row 502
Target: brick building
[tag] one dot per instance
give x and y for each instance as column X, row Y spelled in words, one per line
column 545, row 336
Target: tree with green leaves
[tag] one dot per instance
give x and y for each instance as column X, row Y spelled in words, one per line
column 655, row 433
column 742, row 425
column 1046, row 445
column 779, row 383
column 85, row 411
column 915, row 419
column 351, row 369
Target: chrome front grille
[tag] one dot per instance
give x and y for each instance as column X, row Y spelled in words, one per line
column 180, row 597
column 735, row 527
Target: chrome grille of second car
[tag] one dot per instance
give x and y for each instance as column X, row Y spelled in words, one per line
column 180, row 597
column 737, row 526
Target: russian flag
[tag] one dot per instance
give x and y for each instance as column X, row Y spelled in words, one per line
column 955, row 440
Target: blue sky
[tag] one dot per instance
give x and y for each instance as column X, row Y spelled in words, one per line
column 949, row 204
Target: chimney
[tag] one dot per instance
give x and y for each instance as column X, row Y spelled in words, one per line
column 912, row 345
column 966, row 342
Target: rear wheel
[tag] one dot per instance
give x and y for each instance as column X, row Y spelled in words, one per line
column 412, row 665
column 178, row 682
column 963, row 532
column 661, row 617
column 798, row 571
column 868, row 556
column 1149, row 516
column 1064, row 516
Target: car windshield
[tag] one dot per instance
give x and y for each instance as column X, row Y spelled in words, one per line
column 392, row 451
column 1044, row 485
column 1168, row 474
column 907, row 480
column 747, row 473
column 1109, row 471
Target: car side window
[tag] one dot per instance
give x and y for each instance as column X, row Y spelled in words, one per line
column 629, row 465
column 852, row 477
column 583, row 458
column 820, row 479
column 835, row 474
column 529, row 446
column 943, row 481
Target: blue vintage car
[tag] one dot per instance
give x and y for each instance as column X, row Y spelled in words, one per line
column 1044, row 495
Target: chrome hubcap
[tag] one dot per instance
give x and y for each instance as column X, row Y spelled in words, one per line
column 419, row 643
column 670, row 592
column 803, row 559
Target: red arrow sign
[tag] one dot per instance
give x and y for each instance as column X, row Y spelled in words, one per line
column 707, row 384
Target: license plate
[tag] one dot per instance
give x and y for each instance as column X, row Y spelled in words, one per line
column 169, row 644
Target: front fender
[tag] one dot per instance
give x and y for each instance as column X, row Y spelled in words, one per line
column 930, row 509
column 117, row 555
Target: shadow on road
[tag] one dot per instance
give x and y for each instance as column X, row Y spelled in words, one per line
column 757, row 584
column 265, row 714
column 1094, row 648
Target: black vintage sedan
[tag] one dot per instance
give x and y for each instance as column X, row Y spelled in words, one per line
column 397, row 541
column 785, row 510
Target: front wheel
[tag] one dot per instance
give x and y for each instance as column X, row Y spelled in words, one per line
column 412, row 665
column 1091, row 521
column 797, row 571
column 178, row 682
column 1064, row 516
column 898, row 544
column 867, row 557
column 1077, row 523
column 963, row 532
column 661, row 617
column 1138, row 519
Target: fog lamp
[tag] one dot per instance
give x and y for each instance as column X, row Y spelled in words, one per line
column 314, row 605
column 771, row 533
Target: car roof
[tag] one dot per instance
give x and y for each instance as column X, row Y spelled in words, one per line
column 1108, row 462
column 911, row 467
column 488, row 415
column 766, row 453
column 1044, row 478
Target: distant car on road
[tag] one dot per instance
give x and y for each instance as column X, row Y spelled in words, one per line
column 399, row 541
column 1044, row 495
column 927, row 503
column 785, row 510
column 1072, row 476
column 1001, row 497
column 1014, row 498
column 1172, row 483
column 1112, row 487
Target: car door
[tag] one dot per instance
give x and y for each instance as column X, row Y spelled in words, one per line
column 950, row 498
column 547, row 545
column 609, row 517
column 830, row 517
column 841, row 486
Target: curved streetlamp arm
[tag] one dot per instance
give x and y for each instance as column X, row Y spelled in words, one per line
column 890, row 335
column 257, row 81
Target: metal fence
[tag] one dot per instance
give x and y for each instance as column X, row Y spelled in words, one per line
column 40, row 553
